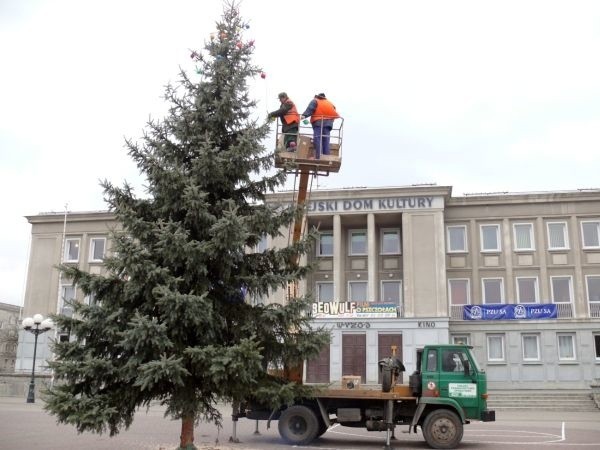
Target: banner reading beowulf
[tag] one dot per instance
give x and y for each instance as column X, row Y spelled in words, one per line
column 510, row 312
column 361, row 310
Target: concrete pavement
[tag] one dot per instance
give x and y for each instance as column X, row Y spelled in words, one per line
column 24, row 425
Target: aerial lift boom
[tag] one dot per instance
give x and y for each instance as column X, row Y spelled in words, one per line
column 303, row 165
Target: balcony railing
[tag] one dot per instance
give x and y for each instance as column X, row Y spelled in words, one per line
column 456, row 312
column 565, row 310
column 594, row 309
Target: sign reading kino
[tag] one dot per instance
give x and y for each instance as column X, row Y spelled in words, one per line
column 375, row 204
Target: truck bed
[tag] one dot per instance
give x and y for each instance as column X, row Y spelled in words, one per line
column 399, row 392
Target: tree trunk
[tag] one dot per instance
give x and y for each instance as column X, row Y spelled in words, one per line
column 187, row 433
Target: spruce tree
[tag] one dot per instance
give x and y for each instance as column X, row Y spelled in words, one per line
column 171, row 321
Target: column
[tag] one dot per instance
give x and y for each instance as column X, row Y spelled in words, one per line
column 540, row 249
column 339, row 293
column 580, row 303
column 509, row 282
column 424, row 264
column 476, row 262
column 372, row 258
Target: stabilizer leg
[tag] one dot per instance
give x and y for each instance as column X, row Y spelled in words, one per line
column 235, row 410
column 389, row 421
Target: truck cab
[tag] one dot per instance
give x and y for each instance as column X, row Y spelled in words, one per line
column 450, row 375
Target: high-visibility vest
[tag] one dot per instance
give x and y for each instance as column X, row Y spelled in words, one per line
column 324, row 110
column 292, row 116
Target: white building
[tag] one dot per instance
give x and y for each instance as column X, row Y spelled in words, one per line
column 517, row 276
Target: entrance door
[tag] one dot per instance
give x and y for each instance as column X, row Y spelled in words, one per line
column 317, row 370
column 385, row 350
column 354, row 355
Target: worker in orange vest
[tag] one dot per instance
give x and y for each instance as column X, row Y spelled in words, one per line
column 322, row 113
column 290, row 119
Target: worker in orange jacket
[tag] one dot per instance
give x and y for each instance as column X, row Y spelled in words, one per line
column 290, row 119
column 322, row 113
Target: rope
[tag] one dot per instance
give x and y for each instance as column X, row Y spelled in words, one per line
column 266, row 96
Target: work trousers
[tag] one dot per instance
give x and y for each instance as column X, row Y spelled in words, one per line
column 321, row 135
column 290, row 134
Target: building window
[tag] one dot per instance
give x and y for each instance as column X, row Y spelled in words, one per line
column 457, row 238
column 527, row 289
column 325, row 291
column 391, row 292
column 357, row 291
column 490, row 238
column 68, row 295
column 591, row 234
column 325, row 247
column 562, row 289
column 71, row 250
column 257, row 299
column 495, row 347
column 390, row 242
column 493, row 290
column 593, row 288
column 460, row 339
column 262, row 244
column 523, row 236
column 566, row 347
column 597, row 345
column 358, row 242
column 90, row 299
column 531, row 347
column 97, row 249
column 557, row 236
column 459, row 291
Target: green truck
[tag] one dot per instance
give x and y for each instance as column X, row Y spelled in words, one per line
column 447, row 390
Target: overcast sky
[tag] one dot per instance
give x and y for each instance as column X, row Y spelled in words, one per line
column 483, row 96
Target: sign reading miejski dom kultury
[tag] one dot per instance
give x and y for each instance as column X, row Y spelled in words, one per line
column 374, row 204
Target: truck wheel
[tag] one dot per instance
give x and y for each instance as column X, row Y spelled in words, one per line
column 386, row 380
column 298, row 425
column 442, row 428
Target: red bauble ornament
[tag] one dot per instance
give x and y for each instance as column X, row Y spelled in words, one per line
column 263, row 75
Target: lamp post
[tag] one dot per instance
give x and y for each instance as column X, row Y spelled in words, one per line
column 36, row 325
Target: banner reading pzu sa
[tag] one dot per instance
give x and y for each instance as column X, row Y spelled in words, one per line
column 510, row 312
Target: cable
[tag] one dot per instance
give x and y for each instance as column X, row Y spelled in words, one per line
column 294, row 201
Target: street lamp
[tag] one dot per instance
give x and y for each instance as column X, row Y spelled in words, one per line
column 36, row 325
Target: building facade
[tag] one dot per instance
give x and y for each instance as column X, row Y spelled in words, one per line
column 517, row 276
column 9, row 328
column 74, row 238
